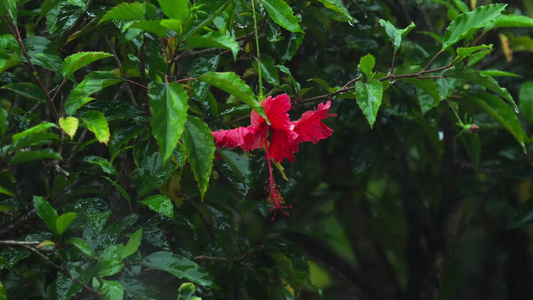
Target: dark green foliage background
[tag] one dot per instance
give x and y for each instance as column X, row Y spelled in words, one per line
column 128, row 201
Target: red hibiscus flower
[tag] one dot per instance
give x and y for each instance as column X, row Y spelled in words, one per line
column 280, row 139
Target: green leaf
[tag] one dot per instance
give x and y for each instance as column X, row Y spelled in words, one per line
column 168, row 103
column 92, row 83
column 176, row 9
column 366, row 64
column 467, row 23
column 428, row 86
column 338, row 7
column 152, row 173
column 69, row 125
column 110, row 290
column 513, row 21
column 470, row 75
column 64, row 221
column 234, row 85
column 123, row 135
column 97, row 124
column 9, row 7
column 4, row 122
column 82, row 245
column 43, row 53
column 120, row 189
column 79, row 60
column 369, row 96
column 215, row 39
column 46, row 212
column 36, row 129
column 268, row 69
column 155, row 27
column 282, row 14
column 28, row 90
column 463, row 52
column 160, row 204
column 178, row 266
column 187, row 291
column 125, row 11
column 207, row 20
column 499, row 110
column 26, row 156
column 498, row 73
column 472, row 145
column 200, row 147
column 526, row 101
column 461, row 6
column 103, row 163
column 133, row 244
column 236, row 168
column 395, row 34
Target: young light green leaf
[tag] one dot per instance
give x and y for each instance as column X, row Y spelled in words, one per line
column 97, row 124
column 79, row 60
column 28, row 90
column 513, row 21
column 234, row 85
column 92, row 83
column 125, row 11
column 175, row 9
column 499, row 110
column 26, row 156
column 169, row 105
column 282, row 14
column 369, row 96
column 473, row 76
column 178, row 266
column 395, row 34
column 340, row 9
column 463, row 52
column 43, row 53
column 526, row 101
column 465, row 24
column 36, row 129
column 200, row 147
column 64, row 221
column 366, row 64
column 46, row 212
column 69, row 125
column 160, row 204
column 133, row 244
column 187, row 291
column 214, row 39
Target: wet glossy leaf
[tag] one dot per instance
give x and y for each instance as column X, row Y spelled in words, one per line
column 200, row 147
column 366, row 64
column 64, row 221
column 46, row 212
column 9, row 257
column 369, row 96
column 103, row 163
column 467, row 23
column 125, row 11
column 236, row 168
column 43, row 53
column 32, row 131
column 473, row 76
column 338, row 7
column 268, row 69
column 429, row 87
column 133, row 244
column 214, row 39
column 169, row 113
column 290, row 46
column 4, row 122
column 121, row 190
column 155, row 236
column 28, row 90
column 26, row 156
column 178, row 266
column 82, row 245
column 282, row 14
column 395, row 34
column 69, row 125
column 526, row 101
column 499, row 110
column 176, row 9
column 154, row 27
column 79, row 60
column 122, row 135
column 152, row 173
column 113, row 110
column 187, row 291
column 463, row 52
column 160, row 204
column 97, row 124
column 110, row 290
column 92, row 83
column 234, row 85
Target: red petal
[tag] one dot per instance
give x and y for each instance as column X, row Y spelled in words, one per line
column 309, row 127
column 282, row 144
column 255, row 140
column 276, row 112
column 232, row 138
